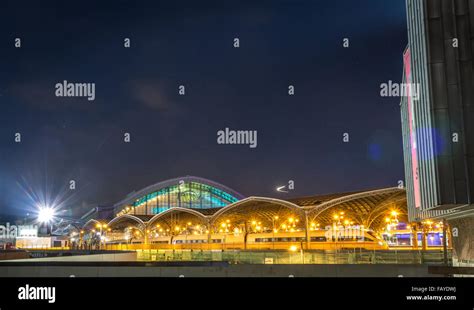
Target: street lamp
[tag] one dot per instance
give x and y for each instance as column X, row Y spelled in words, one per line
column 46, row 215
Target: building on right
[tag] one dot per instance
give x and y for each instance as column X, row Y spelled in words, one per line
column 437, row 114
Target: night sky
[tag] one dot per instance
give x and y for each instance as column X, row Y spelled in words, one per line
column 282, row 43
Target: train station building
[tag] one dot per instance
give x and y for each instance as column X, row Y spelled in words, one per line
column 194, row 210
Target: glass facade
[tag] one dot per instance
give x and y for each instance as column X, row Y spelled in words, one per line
column 191, row 194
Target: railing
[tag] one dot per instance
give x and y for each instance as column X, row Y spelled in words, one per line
column 298, row 257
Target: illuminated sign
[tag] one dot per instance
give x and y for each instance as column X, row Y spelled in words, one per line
column 412, row 131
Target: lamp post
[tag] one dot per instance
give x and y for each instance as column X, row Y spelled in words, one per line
column 81, row 240
column 46, row 215
column 274, row 219
column 99, row 233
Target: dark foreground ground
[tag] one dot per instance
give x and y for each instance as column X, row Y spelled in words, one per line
column 220, row 269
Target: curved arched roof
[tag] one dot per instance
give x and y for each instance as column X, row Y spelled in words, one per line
column 314, row 200
column 368, row 208
column 126, row 216
column 177, row 210
column 91, row 221
column 160, row 185
column 367, row 195
column 262, row 206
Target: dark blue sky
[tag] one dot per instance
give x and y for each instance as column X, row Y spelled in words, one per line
column 190, row 43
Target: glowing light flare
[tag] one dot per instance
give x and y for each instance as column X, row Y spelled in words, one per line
column 281, row 189
column 46, row 214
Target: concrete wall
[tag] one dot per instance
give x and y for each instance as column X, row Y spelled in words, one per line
column 463, row 244
column 13, row 254
column 113, row 257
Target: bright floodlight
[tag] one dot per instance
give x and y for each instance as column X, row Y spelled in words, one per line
column 45, row 214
